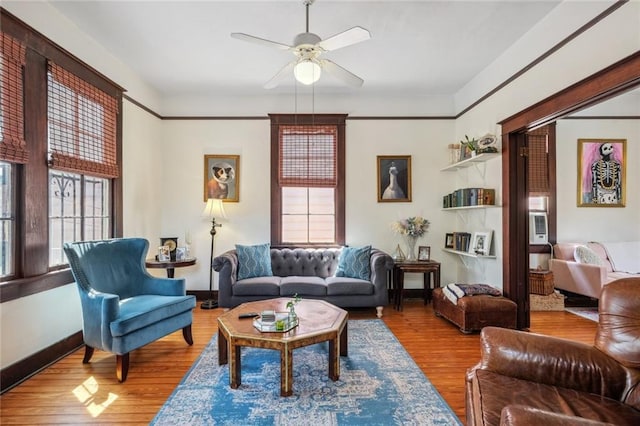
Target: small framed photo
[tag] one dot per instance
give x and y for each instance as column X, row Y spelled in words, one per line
column 424, row 253
column 394, row 178
column 480, row 243
column 222, row 177
column 163, row 254
column 448, row 241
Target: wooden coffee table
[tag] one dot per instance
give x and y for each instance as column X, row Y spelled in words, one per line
column 319, row 321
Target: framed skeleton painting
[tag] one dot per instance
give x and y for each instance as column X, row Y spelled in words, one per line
column 602, row 166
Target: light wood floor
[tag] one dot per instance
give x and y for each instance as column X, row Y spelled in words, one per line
column 72, row 393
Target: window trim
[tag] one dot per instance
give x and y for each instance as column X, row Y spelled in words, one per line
column 32, row 272
column 276, row 200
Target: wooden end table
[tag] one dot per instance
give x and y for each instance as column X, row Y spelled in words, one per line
column 431, row 271
column 169, row 265
column 319, row 321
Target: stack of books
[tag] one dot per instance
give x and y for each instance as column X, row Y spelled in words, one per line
column 469, row 197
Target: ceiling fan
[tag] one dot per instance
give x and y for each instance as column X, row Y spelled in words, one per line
column 308, row 47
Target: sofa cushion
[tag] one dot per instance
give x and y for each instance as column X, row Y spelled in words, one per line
column 340, row 286
column 303, row 286
column 254, row 261
column 584, row 254
column 141, row 311
column 269, row 286
column 355, row 263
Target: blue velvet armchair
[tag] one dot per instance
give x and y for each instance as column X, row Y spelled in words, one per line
column 123, row 306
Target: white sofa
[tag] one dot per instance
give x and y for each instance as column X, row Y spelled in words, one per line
column 587, row 277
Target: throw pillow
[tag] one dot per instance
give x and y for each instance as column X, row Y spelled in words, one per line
column 584, row 254
column 254, row 261
column 355, row 263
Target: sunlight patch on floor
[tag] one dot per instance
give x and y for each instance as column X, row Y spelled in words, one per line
column 88, row 394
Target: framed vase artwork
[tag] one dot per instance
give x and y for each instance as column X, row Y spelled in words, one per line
column 602, row 167
column 394, row 178
column 222, row 177
column 424, row 253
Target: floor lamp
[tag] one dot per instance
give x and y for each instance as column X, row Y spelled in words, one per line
column 214, row 209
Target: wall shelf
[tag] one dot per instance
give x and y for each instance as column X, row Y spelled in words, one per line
column 481, row 206
column 469, row 162
column 467, row 254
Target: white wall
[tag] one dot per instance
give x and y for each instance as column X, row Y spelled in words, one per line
column 582, row 224
column 184, row 144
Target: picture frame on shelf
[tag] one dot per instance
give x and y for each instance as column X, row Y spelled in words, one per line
column 222, row 177
column 448, row 241
column 602, row 167
column 424, row 253
column 480, row 243
column 394, row 178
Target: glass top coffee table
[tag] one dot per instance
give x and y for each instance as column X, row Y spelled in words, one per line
column 319, row 321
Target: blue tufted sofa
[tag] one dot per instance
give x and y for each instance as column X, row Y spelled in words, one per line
column 308, row 273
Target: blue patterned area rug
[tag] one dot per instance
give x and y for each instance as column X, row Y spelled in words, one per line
column 379, row 385
column 588, row 313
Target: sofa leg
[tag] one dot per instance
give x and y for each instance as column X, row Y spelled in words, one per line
column 122, row 367
column 379, row 311
column 186, row 333
column 88, row 353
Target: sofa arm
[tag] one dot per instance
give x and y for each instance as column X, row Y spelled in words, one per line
column 381, row 264
column 581, row 278
column 520, row 415
column 226, row 265
column 550, row 360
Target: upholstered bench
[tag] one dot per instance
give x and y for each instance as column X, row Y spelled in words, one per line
column 471, row 313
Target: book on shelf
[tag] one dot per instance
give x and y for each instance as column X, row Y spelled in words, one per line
column 469, row 197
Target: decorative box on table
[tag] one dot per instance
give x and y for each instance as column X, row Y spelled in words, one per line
column 540, row 282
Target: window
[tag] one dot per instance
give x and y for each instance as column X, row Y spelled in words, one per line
column 308, row 180
column 7, row 219
column 61, row 183
column 78, row 210
column 12, row 144
column 81, row 121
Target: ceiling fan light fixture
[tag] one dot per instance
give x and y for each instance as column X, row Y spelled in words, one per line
column 307, row 72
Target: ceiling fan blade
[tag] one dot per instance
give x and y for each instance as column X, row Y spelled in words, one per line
column 341, row 73
column 346, row 38
column 258, row 40
column 276, row 79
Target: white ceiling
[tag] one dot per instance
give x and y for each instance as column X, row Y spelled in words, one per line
column 418, row 48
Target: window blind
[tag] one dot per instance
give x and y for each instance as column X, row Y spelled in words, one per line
column 307, row 156
column 12, row 59
column 538, row 161
column 82, row 125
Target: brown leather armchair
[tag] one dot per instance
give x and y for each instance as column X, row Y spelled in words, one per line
column 526, row 378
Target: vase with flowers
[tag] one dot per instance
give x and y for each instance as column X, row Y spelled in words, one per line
column 411, row 228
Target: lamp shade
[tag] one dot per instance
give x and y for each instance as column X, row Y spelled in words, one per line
column 214, row 209
column 307, row 72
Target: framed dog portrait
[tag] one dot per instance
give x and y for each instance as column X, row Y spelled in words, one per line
column 601, row 172
column 222, row 177
column 394, row 178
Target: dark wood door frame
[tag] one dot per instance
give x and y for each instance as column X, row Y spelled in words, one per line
column 611, row 81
